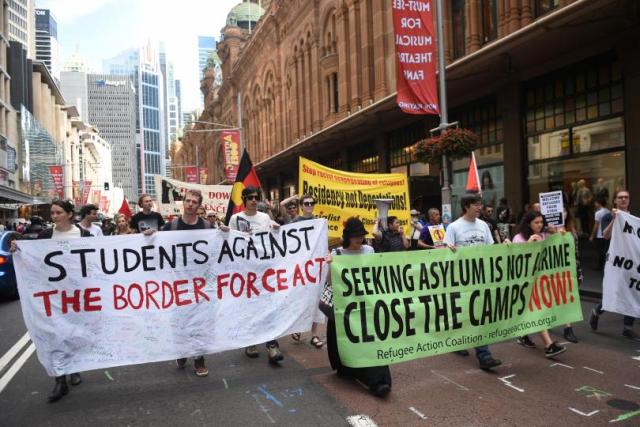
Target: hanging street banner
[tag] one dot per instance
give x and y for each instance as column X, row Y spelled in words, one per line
column 400, row 306
column 86, row 189
column 170, row 194
column 231, row 153
column 77, row 195
column 340, row 195
column 416, row 57
column 56, row 174
column 621, row 284
column 99, row 302
column 191, row 174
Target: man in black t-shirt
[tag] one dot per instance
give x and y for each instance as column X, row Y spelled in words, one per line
column 146, row 221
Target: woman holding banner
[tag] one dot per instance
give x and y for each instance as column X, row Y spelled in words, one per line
column 530, row 230
column 376, row 378
column 569, row 227
column 62, row 216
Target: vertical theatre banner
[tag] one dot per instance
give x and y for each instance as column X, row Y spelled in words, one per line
column 416, row 57
column 191, row 174
column 401, row 306
column 99, row 302
column 621, row 285
column 56, row 174
column 340, row 195
column 231, row 153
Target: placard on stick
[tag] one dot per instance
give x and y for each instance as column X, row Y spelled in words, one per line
column 552, row 207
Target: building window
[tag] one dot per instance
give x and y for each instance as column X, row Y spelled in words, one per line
column 489, row 10
column 401, row 144
column 334, row 83
column 363, row 158
column 458, row 26
column 545, row 6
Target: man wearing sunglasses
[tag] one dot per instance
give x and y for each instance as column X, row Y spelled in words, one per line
column 252, row 221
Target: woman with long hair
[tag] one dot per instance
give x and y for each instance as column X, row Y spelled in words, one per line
column 530, row 230
column 62, row 213
column 376, row 378
column 122, row 225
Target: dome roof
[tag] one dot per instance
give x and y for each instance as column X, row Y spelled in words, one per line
column 245, row 15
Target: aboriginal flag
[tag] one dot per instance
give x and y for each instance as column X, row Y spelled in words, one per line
column 246, row 177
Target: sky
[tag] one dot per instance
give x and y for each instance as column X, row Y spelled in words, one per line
column 100, row 29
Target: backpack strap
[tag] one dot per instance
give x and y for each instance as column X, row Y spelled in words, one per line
column 174, row 224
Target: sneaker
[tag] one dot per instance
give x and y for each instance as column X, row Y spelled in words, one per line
column 180, row 363
column 275, row 355
column 569, row 335
column 525, row 341
column 75, row 379
column 489, row 362
column 593, row 319
column 380, row 390
column 462, row 352
column 251, row 351
column 200, row 368
column 553, row 350
column 628, row 333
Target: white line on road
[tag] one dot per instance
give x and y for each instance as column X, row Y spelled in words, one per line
column 13, row 370
column 584, row 414
column 226, row 386
column 460, row 386
column 594, row 370
column 418, row 413
column 632, row 386
column 561, row 364
column 17, row 347
column 361, row 421
column 505, row 381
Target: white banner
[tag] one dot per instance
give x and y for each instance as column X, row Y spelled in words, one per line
column 98, row 302
column 621, row 286
column 170, row 193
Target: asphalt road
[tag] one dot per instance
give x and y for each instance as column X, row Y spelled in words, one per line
column 596, row 382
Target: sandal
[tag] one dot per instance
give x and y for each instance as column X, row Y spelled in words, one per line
column 296, row 336
column 316, row 342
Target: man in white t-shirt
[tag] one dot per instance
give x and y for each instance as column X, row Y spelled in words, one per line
column 89, row 214
column 602, row 219
column 252, row 221
column 469, row 230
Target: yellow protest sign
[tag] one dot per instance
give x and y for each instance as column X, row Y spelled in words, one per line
column 340, row 195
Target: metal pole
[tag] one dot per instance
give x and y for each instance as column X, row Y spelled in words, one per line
column 240, row 122
column 444, row 117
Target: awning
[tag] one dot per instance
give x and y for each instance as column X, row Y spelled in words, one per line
column 10, row 197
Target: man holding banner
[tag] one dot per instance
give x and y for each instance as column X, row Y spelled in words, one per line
column 469, row 230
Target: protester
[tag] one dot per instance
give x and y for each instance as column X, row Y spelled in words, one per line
column 108, row 227
column 89, row 214
column 202, row 213
column 62, row 214
column 569, row 227
column 426, row 241
column 212, row 218
column 602, row 218
column 504, row 214
column 252, row 221
column 622, row 201
column 122, row 225
column 530, row 230
column 307, row 203
column 147, row 221
column 416, row 228
column 487, row 216
column 469, row 230
column 288, row 209
column 376, row 378
column 392, row 239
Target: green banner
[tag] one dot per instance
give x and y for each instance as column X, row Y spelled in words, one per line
column 401, row 306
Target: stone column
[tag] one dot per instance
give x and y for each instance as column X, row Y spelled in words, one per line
column 474, row 20
column 513, row 14
column 526, row 16
column 343, row 62
column 379, row 48
column 309, row 100
column 316, row 87
column 366, row 48
column 355, row 43
column 295, row 101
column 302, row 130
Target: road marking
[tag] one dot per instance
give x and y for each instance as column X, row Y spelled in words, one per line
column 505, row 381
column 264, row 409
column 226, row 386
column 593, row 370
column 108, row 375
column 13, row 370
column 418, row 413
column 624, row 417
column 361, row 421
column 632, row 386
column 460, row 386
column 269, row 396
column 561, row 364
column 584, row 414
column 13, row 351
column 564, row 343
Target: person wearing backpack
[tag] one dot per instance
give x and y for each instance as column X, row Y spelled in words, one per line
column 191, row 221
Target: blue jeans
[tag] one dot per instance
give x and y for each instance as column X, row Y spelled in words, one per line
column 627, row 321
column 482, row 352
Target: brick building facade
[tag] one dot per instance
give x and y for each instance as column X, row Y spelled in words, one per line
column 549, row 85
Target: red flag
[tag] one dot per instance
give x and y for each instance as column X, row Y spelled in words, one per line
column 246, row 177
column 415, row 40
column 473, row 180
column 124, row 209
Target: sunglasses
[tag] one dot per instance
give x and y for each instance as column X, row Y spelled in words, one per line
column 253, row 197
column 292, row 207
column 308, row 203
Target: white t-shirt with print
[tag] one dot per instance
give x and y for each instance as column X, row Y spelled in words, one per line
column 467, row 233
column 599, row 216
column 250, row 223
column 73, row 233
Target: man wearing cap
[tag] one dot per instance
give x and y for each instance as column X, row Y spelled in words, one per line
column 416, row 228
